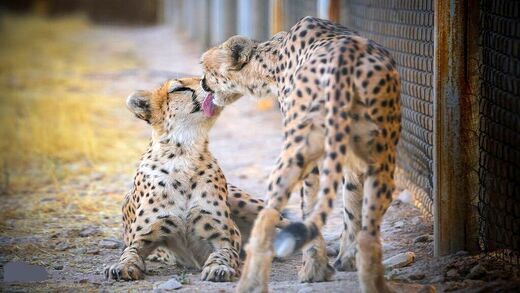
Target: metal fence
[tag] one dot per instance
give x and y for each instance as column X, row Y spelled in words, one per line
column 499, row 130
column 406, row 29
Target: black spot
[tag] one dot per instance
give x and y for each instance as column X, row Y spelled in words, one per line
column 323, row 216
column 165, row 229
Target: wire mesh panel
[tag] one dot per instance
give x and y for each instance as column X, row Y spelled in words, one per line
column 406, row 29
column 499, row 130
column 296, row 9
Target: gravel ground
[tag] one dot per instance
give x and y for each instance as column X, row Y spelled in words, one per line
column 73, row 248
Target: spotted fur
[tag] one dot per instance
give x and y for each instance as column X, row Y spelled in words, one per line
column 339, row 96
column 180, row 202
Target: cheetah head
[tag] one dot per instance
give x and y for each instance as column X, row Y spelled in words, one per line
column 239, row 66
column 179, row 107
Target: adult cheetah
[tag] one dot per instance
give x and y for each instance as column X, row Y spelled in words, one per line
column 339, row 96
column 179, row 200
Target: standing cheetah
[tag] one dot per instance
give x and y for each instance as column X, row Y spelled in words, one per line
column 339, row 96
column 179, row 200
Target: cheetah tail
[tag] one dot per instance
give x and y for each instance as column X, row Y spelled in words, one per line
column 298, row 234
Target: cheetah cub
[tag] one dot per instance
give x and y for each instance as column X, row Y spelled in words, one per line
column 179, row 201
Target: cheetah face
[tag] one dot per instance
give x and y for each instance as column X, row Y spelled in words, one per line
column 224, row 69
column 177, row 103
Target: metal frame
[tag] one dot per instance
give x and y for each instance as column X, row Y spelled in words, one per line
column 454, row 105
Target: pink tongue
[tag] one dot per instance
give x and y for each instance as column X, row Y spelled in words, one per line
column 207, row 105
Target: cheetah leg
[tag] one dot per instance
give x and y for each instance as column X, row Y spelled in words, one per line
column 163, row 255
column 315, row 261
column 377, row 193
column 289, row 170
column 131, row 265
column 222, row 264
column 244, row 210
column 352, row 201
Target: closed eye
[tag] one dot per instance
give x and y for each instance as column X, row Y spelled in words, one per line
column 181, row 89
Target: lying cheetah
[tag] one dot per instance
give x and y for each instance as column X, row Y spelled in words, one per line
column 179, row 200
column 339, row 96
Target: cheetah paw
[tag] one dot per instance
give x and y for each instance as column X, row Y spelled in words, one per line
column 124, row 271
column 345, row 263
column 315, row 271
column 217, row 273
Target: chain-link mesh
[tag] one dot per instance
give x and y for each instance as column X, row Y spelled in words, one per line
column 406, row 29
column 499, row 130
column 297, row 9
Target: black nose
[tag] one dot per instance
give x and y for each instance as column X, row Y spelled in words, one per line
column 204, row 85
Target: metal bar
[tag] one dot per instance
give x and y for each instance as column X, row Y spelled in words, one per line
column 334, row 10
column 277, row 16
column 450, row 197
column 329, row 9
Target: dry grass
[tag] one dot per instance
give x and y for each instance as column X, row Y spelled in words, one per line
column 54, row 122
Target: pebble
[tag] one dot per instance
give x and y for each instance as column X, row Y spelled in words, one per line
column 423, row 238
column 462, row 253
column 437, row 279
column 62, row 246
column 171, row 284
column 89, row 231
column 417, row 276
column 388, row 246
column 453, row 273
column 400, row 260
column 477, row 272
column 58, row 267
column 110, row 243
column 93, row 251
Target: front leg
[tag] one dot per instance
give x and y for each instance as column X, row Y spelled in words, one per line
column 297, row 156
column 131, row 265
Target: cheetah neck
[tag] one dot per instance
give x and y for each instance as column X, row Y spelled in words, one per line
column 259, row 74
column 181, row 140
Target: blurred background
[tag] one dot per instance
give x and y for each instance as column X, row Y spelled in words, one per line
column 69, row 147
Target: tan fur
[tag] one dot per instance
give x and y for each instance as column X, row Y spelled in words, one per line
column 339, row 96
column 180, row 203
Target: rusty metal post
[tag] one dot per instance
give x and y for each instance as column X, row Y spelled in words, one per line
column 451, row 198
column 329, row 9
column 277, row 16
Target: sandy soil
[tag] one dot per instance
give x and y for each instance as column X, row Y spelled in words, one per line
column 246, row 141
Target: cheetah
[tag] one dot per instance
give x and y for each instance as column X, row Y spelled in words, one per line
column 339, row 98
column 179, row 201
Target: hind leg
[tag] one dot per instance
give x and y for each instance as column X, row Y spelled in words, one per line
column 352, row 202
column 315, row 262
column 377, row 194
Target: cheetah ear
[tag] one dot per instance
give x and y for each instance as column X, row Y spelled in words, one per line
column 139, row 104
column 240, row 50
column 279, row 36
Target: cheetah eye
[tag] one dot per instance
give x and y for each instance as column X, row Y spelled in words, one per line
column 180, row 89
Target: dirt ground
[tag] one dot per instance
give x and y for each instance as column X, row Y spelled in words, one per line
column 73, row 229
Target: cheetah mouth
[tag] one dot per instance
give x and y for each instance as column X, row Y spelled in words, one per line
column 208, row 107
